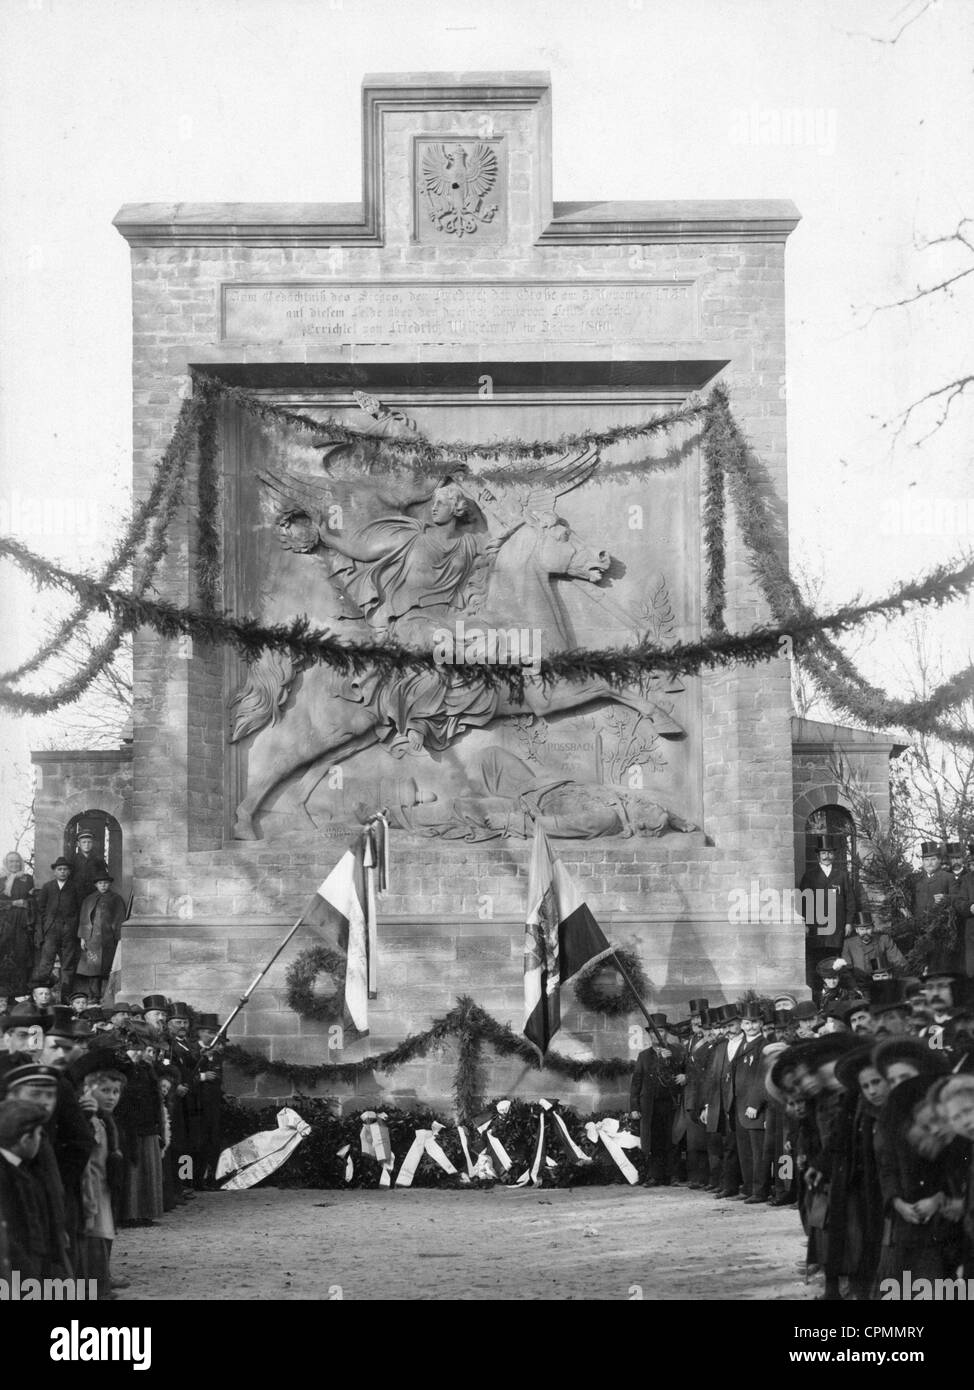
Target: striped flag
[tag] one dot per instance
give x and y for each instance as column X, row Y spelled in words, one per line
column 344, row 906
column 561, row 938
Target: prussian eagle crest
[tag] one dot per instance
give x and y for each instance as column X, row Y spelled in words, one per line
column 456, row 180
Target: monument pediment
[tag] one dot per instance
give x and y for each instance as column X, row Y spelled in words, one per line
column 474, row 152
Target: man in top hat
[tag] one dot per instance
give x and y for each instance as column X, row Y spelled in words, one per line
column 86, row 866
column 931, row 887
column 99, row 931
column 828, row 904
column 699, row 1046
column 750, row 1106
column 719, row 1111
column 156, row 1008
column 962, row 905
column 653, row 1095
column 210, row 1074
column 183, row 1056
column 56, row 939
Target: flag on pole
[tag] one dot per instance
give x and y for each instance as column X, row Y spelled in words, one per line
column 561, row 938
column 345, row 907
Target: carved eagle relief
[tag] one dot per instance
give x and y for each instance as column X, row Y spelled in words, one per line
column 456, row 179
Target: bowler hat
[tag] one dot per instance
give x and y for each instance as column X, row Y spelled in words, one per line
column 29, row 1071
column 804, row 1009
column 22, row 1016
column 156, row 1001
column 94, row 1014
column 62, row 863
column 104, row 877
column 119, row 1007
column 697, row 1006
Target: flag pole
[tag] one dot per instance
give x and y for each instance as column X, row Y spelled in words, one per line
column 245, row 997
column 625, row 975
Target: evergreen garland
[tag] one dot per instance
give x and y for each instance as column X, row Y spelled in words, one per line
column 619, row 667
column 465, row 1017
column 207, row 535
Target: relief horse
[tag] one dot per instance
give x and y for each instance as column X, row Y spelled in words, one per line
column 316, row 718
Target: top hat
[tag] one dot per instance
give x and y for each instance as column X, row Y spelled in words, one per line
column 210, row 1021
column 22, row 1016
column 29, row 1071
column 698, row 1006
column 939, row 967
column 180, row 1010
column 954, row 848
column 931, row 847
column 63, row 1022
column 823, row 843
column 61, row 863
column 728, row 1012
column 156, row 1001
column 659, row 1020
column 885, row 995
column 752, row 1011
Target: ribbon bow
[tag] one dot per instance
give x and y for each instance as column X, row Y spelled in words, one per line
column 558, row 1130
column 375, row 1143
column 615, row 1140
column 482, row 1141
column 423, row 1143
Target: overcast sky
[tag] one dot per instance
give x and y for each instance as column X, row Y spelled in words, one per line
column 259, row 100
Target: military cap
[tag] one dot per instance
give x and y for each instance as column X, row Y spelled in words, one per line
column 29, row 1072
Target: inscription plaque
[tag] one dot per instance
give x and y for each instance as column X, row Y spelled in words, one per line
column 389, row 311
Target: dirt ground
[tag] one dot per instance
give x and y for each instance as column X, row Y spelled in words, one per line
column 503, row 1244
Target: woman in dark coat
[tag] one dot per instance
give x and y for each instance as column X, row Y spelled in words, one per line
column 864, row 1202
column 99, row 928
column 16, row 928
column 916, row 1235
column 139, row 1118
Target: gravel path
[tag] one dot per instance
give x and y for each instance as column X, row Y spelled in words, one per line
column 591, row 1243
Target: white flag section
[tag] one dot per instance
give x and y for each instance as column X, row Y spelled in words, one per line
column 344, row 892
column 262, row 1154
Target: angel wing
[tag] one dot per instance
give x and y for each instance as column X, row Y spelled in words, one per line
column 437, row 170
column 563, row 476
column 480, row 170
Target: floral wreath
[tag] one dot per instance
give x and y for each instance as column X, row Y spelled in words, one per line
column 624, row 1000
column 300, row 981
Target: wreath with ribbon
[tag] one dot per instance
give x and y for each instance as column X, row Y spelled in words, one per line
column 591, row 992
column 300, row 983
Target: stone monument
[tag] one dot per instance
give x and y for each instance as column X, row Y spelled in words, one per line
column 459, row 303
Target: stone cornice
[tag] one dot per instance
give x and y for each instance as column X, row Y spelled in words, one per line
column 346, row 224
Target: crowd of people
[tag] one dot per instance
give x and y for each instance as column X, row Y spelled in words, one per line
column 109, row 1117
column 857, row 1109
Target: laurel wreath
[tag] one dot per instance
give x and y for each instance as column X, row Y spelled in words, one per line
column 592, row 995
column 300, row 981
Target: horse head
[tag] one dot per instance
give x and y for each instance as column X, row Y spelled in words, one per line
column 541, row 548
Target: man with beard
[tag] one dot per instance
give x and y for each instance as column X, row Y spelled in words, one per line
column 941, row 989
column 718, row 1114
column 962, row 905
column 653, row 1096
column 750, row 1104
column 183, row 1056
column 699, row 1047
column 872, row 954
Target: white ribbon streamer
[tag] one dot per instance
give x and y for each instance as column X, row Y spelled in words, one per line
column 423, row 1143
column 263, row 1153
column 615, row 1140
